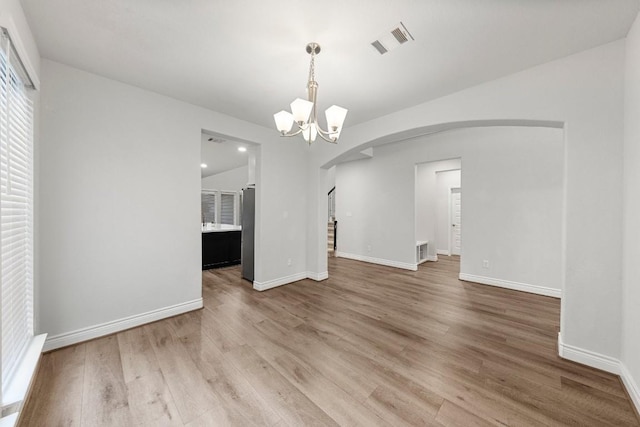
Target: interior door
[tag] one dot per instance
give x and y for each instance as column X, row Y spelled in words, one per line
column 456, row 224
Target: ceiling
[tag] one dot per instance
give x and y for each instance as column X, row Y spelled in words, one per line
column 221, row 154
column 246, row 58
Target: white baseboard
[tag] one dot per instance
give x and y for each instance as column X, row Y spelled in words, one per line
column 602, row 362
column 428, row 258
column 91, row 332
column 631, row 385
column 318, row 277
column 588, row 357
column 269, row 284
column 263, row 286
column 443, row 252
column 525, row 287
column 380, row 261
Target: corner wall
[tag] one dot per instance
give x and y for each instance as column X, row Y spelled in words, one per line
column 631, row 212
column 119, row 209
column 584, row 92
column 511, row 203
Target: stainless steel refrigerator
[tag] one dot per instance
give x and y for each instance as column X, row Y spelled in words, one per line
column 248, row 231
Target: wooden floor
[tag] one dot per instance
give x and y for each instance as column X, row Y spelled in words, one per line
column 370, row 346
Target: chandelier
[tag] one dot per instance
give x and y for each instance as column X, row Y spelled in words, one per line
column 304, row 115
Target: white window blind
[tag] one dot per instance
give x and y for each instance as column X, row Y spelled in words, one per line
column 208, row 207
column 220, row 207
column 227, row 208
column 16, row 214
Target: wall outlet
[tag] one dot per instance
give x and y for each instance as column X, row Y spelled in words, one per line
column 289, row 262
column 368, row 248
column 485, row 263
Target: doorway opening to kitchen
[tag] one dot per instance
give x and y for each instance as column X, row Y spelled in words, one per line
column 227, row 199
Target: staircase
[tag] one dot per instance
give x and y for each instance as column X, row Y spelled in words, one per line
column 330, row 238
column 332, row 224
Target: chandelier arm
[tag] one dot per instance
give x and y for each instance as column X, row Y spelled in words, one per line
column 326, row 135
column 298, row 132
column 327, row 139
column 322, row 131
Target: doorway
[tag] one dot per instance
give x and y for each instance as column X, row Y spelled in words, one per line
column 227, row 176
column 434, row 184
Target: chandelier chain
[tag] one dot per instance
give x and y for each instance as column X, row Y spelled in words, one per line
column 312, row 74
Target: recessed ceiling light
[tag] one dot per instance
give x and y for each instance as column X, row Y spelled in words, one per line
column 203, row 165
column 242, row 149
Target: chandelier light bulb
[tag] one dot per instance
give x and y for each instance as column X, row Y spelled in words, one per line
column 301, row 110
column 335, row 118
column 284, row 121
column 309, row 134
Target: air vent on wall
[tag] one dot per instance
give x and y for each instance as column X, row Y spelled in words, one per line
column 214, row 139
column 379, row 47
column 392, row 39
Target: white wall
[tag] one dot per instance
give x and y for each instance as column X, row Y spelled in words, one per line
column 231, row 180
column 445, row 181
column 631, row 235
column 584, row 93
column 512, row 207
column 512, row 201
column 119, row 201
column 283, row 195
column 428, row 197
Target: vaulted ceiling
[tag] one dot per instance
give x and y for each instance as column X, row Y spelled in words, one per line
column 247, row 58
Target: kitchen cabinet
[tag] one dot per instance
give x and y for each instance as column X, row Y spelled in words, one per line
column 221, row 248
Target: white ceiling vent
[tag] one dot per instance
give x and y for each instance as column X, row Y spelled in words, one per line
column 217, row 140
column 392, row 39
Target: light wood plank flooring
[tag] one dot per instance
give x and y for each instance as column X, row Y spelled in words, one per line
column 370, row 346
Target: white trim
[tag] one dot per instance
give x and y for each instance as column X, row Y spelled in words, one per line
column 631, row 385
column 281, row 281
column 19, row 386
column 318, row 277
column 432, row 258
column 8, row 23
column 380, row 261
column 9, row 420
column 524, row 287
column 602, row 362
column 587, row 357
column 443, row 252
column 263, row 286
column 107, row 328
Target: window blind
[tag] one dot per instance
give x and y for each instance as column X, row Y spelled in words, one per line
column 208, row 207
column 227, row 208
column 16, row 214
